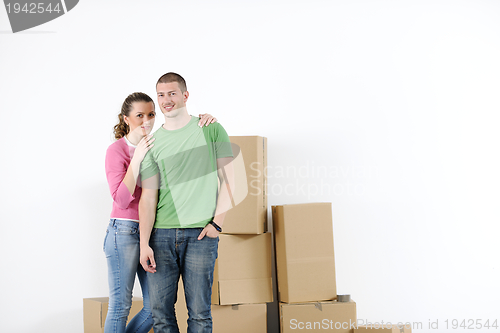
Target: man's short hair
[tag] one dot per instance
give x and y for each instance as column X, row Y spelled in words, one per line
column 173, row 77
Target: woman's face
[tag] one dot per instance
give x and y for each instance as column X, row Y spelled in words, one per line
column 141, row 118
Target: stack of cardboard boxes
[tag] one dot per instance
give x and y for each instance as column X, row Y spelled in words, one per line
column 305, row 264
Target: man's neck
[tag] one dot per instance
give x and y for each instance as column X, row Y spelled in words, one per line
column 174, row 123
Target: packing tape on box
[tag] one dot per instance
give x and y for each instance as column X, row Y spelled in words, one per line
column 343, row 298
column 318, row 306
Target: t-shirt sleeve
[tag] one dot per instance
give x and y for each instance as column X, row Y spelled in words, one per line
column 222, row 145
column 149, row 167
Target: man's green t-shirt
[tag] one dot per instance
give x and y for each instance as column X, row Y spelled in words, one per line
column 186, row 160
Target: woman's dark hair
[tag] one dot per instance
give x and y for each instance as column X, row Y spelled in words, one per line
column 121, row 129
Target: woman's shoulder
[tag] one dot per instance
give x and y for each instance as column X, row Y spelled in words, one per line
column 118, row 146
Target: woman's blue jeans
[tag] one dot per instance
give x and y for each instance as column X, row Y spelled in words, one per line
column 121, row 246
column 178, row 252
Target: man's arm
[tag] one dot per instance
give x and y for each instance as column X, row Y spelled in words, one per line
column 147, row 215
column 225, row 172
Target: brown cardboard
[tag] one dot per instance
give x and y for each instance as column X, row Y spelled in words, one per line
column 338, row 317
column 242, row 271
column 242, row 318
column 249, row 212
column 305, row 262
column 378, row 328
column 96, row 309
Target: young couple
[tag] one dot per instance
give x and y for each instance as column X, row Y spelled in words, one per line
column 170, row 193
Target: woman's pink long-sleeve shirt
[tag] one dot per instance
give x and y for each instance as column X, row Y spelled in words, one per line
column 125, row 205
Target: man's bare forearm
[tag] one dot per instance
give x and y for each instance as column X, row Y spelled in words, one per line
column 147, row 208
column 147, row 214
column 225, row 196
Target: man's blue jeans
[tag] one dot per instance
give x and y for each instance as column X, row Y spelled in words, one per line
column 178, row 252
column 121, row 246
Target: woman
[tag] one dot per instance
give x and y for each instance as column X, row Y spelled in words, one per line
column 121, row 244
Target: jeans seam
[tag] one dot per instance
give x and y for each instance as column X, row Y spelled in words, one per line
column 118, row 279
column 144, row 321
column 105, row 239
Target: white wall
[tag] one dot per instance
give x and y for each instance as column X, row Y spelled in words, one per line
column 397, row 100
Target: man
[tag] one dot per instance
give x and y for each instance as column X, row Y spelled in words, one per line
column 182, row 197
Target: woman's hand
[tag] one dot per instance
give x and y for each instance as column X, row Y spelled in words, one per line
column 143, row 147
column 206, row 119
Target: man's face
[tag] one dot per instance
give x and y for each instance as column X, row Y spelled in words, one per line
column 170, row 98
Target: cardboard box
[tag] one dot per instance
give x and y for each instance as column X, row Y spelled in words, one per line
column 242, row 271
column 375, row 328
column 305, row 262
column 318, row 317
column 243, row 318
column 249, row 212
column 96, row 309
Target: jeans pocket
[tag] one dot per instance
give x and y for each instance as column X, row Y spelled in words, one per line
column 125, row 230
column 212, row 237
